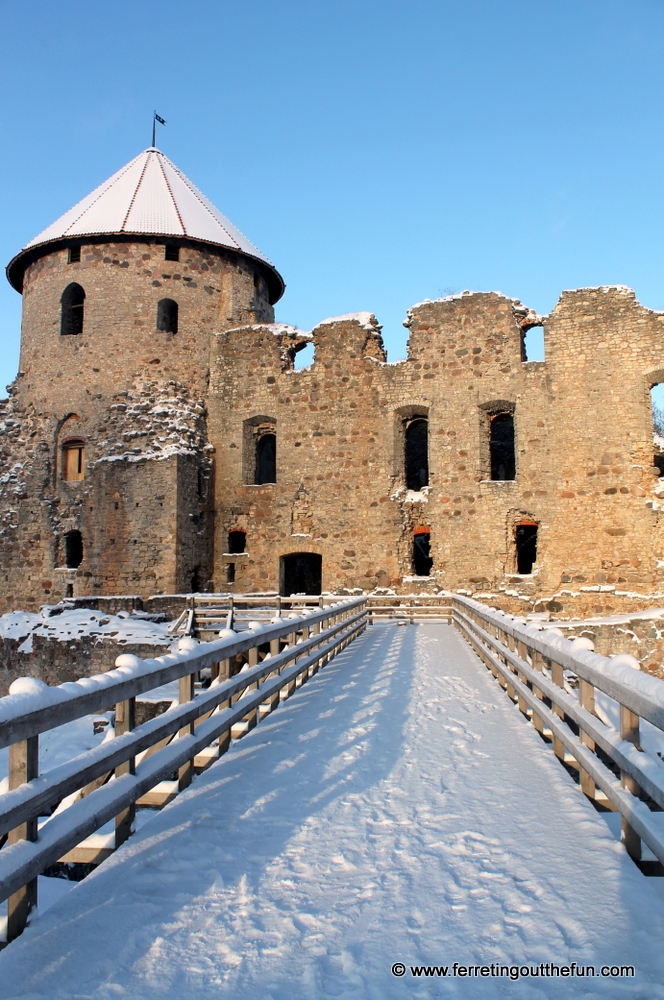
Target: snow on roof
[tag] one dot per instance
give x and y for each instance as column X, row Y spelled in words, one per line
column 151, row 196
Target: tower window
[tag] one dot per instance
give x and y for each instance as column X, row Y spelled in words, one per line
column 417, row 453
column 501, row 445
column 73, row 464
column 74, row 255
column 230, row 572
column 171, row 253
column 237, row 541
column 266, row 459
column 422, row 561
column 526, row 547
column 71, row 316
column 167, row 316
column 73, row 549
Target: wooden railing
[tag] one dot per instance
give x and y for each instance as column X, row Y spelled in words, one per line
column 554, row 681
column 78, row 796
column 411, row 607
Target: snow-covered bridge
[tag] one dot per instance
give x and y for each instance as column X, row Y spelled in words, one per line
column 398, row 809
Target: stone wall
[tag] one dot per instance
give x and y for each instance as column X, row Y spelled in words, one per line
column 583, row 441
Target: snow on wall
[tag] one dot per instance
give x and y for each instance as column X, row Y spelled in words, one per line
column 155, row 420
column 74, row 623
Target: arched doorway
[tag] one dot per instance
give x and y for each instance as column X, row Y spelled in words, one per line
column 300, row 573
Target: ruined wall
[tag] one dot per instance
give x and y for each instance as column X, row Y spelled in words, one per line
column 143, row 508
column 584, row 451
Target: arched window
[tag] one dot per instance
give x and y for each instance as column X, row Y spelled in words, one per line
column 266, row 459
column 237, row 542
column 417, row 453
column 73, row 549
column 73, row 460
column 71, row 314
column 501, row 445
column 167, row 316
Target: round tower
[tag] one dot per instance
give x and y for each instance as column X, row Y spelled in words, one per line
column 132, row 280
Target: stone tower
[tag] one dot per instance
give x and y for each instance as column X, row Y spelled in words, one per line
column 110, row 483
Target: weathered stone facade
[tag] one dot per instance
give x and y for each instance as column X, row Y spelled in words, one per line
column 171, row 424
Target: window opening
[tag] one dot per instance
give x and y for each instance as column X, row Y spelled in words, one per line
column 73, row 466
column 230, row 572
column 417, row 453
column 526, row 547
column 301, row 573
column 533, row 344
column 195, row 581
column 422, row 561
column 171, row 253
column 501, row 444
column 266, row 459
column 167, row 316
column 657, row 403
column 303, row 356
column 71, row 316
column 69, row 590
column 73, row 549
column 74, row 255
column 237, row 541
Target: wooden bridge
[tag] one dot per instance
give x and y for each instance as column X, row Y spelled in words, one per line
column 553, row 682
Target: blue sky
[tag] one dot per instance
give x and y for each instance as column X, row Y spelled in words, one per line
column 379, row 153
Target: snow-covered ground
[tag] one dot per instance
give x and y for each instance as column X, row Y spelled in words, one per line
column 64, row 624
column 397, row 809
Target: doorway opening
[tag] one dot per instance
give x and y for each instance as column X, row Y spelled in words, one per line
column 300, row 573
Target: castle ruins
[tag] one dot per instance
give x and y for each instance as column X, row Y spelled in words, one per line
column 159, row 439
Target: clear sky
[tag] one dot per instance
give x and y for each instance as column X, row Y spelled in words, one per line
column 379, row 153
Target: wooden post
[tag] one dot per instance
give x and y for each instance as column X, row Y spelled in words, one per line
column 224, row 740
column 252, row 659
column 23, row 766
column 629, row 730
column 587, row 699
column 289, row 688
column 125, row 720
column 558, row 678
column 522, row 652
column 537, row 664
column 186, row 693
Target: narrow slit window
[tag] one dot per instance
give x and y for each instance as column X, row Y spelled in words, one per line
column 74, row 255
column 230, row 572
column 417, row 453
column 73, row 464
column 71, row 315
column 167, row 316
column 422, row 561
column 266, row 459
column 501, row 444
column 237, row 542
column 73, row 549
column 526, row 547
column 171, row 253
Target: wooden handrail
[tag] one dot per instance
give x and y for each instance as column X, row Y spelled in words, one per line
column 198, row 721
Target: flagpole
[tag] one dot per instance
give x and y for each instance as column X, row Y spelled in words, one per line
column 154, row 126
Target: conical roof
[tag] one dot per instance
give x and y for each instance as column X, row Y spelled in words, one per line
column 147, row 197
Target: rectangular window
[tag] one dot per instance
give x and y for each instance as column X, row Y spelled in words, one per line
column 74, row 255
column 74, row 464
column 172, row 253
